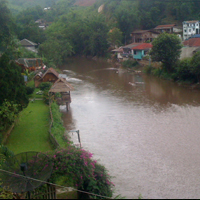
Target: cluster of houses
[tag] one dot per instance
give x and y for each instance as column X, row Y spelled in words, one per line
column 141, row 44
column 189, row 33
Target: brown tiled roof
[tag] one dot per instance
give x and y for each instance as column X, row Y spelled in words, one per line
column 166, row 26
column 193, row 42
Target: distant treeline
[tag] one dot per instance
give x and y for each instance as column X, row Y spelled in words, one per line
column 73, row 29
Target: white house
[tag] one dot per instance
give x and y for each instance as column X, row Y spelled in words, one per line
column 190, row 28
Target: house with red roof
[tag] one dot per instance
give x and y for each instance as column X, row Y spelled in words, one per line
column 141, row 50
column 133, row 50
column 192, row 42
column 191, row 46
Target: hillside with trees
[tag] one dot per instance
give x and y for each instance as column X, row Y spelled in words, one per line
column 84, row 30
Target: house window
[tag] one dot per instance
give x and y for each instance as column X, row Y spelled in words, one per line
column 135, row 52
column 189, row 30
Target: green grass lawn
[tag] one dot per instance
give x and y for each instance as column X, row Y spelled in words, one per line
column 31, row 131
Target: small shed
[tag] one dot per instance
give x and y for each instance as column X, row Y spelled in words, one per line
column 63, row 87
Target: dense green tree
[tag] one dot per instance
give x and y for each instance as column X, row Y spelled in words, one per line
column 12, row 83
column 195, row 65
column 26, row 26
column 115, row 37
column 166, row 49
column 183, row 71
column 8, row 114
column 55, row 49
column 30, row 14
column 31, row 32
column 98, row 44
column 17, row 6
column 5, row 25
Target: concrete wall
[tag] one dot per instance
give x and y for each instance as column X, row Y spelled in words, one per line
column 187, row 52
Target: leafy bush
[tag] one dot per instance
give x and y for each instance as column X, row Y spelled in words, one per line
column 75, row 167
column 30, row 90
column 45, row 86
column 58, row 129
column 129, row 63
column 46, row 96
column 148, row 69
column 8, row 114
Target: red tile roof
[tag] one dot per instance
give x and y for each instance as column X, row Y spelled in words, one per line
column 165, row 26
column 143, row 46
column 193, row 42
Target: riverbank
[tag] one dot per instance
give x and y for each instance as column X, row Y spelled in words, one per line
column 72, row 167
column 151, row 68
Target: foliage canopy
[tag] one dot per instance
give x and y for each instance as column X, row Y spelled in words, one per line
column 166, row 49
column 12, row 83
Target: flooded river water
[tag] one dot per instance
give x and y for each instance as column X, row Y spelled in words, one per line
column 144, row 130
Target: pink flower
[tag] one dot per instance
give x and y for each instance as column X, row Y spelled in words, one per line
column 112, row 183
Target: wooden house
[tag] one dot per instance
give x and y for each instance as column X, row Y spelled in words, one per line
column 141, row 36
column 51, row 75
column 168, row 28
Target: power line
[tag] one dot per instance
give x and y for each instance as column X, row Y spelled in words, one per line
column 45, row 182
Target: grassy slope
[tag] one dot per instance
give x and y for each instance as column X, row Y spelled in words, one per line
column 31, row 132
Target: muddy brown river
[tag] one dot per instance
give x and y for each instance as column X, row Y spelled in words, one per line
column 144, row 130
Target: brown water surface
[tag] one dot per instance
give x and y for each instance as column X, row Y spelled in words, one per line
column 144, row 130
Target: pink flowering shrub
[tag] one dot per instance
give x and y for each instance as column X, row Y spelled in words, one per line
column 76, row 168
